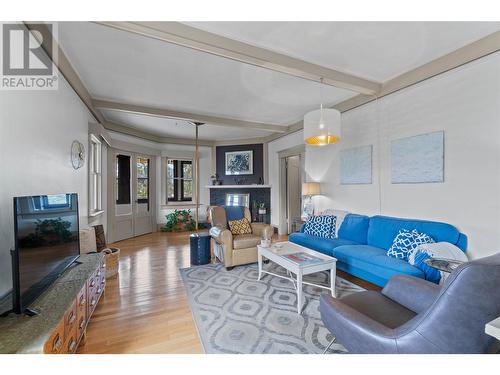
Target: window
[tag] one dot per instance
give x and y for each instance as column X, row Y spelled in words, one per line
column 95, row 177
column 52, row 202
column 122, row 179
column 179, row 180
column 142, row 180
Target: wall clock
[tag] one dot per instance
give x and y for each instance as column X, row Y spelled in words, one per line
column 77, row 154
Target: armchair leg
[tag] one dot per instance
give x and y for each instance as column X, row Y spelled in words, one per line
column 329, row 345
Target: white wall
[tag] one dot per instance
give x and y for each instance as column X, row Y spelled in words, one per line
column 131, row 143
column 274, row 148
column 465, row 103
column 36, row 132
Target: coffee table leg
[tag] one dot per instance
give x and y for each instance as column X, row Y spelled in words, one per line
column 299, row 292
column 333, row 276
column 259, row 260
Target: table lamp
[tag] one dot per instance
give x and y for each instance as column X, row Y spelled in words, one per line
column 309, row 189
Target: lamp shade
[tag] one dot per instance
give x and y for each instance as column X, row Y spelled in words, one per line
column 311, row 188
column 322, row 127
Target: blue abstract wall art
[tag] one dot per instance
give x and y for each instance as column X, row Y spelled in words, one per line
column 239, row 162
column 356, row 165
column 418, row 159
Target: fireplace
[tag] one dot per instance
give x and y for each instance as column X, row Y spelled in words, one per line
column 238, row 199
column 243, row 195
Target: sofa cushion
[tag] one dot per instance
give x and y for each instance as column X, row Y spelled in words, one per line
column 406, row 243
column 321, row 226
column 383, row 229
column 375, row 260
column 234, row 212
column 243, row 241
column 354, row 228
column 323, row 245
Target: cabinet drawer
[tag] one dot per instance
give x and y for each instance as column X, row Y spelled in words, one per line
column 82, row 323
column 71, row 343
column 70, row 320
column 81, row 307
column 93, row 298
column 54, row 344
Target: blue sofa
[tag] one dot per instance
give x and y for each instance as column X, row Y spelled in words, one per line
column 363, row 242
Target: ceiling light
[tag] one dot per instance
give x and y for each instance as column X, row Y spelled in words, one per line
column 322, row 126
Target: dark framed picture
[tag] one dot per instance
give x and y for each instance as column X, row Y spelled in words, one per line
column 239, row 162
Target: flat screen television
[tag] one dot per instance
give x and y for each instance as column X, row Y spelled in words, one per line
column 46, row 243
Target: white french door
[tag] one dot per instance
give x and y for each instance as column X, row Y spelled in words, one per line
column 132, row 198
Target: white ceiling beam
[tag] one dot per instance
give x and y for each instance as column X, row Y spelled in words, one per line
column 120, row 128
column 167, row 113
column 191, row 37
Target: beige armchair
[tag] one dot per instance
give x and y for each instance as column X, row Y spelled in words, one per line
column 233, row 250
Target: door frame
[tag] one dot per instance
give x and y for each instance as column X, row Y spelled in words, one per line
column 300, row 151
column 112, row 152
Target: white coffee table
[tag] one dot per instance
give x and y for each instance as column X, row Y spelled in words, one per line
column 275, row 254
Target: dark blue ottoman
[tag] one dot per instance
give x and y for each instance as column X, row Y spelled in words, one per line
column 200, row 248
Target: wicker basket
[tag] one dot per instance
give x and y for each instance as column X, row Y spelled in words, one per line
column 112, row 261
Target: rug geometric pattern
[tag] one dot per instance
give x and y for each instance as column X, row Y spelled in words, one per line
column 235, row 313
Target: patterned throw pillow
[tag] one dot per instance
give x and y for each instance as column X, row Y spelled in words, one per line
column 321, row 226
column 406, row 242
column 240, row 226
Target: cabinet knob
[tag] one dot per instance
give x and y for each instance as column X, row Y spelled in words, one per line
column 72, row 345
column 56, row 345
column 71, row 318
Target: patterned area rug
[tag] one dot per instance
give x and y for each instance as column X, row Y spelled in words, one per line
column 235, row 313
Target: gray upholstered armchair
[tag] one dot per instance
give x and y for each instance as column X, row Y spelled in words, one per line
column 412, row 315
column 236, row 249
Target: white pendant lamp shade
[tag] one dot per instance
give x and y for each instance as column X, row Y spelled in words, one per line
column 322, row 127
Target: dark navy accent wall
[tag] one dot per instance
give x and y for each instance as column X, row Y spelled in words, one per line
column 257, row 195
column 258, row 165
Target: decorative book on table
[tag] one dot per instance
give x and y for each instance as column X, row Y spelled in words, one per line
column 303, row 259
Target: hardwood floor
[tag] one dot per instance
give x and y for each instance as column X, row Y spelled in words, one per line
column 145, row 309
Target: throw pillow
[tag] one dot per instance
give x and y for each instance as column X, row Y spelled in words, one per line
column 241, row 226
column 321, row 226
column 406, row 242
column 339, row 214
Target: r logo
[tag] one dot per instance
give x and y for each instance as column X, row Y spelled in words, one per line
column 23, row 55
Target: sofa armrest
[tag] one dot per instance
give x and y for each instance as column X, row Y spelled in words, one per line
column 225, row 238
column 265, row 231
column 355, row 330
column 221, row 235
column 411, row 292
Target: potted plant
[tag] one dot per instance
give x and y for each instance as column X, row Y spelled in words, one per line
column 262, row 208
column 179, row 221
column 213, row 178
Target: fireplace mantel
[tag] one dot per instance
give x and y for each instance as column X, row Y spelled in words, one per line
column 237, row 186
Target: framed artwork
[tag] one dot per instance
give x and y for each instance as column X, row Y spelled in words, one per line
column 356, row 165
column 418, row 159
column 239, row 162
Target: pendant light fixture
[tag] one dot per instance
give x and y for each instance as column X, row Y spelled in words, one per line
column 322, row 126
